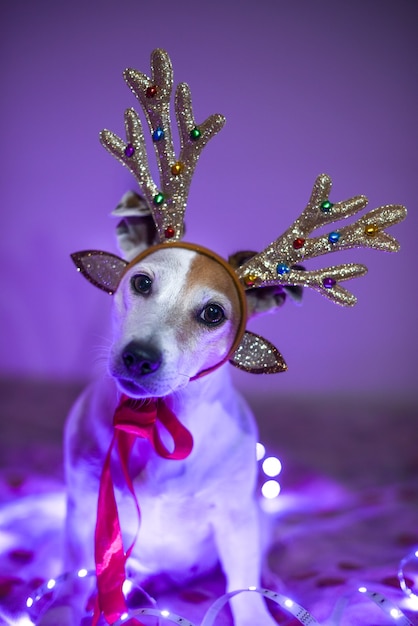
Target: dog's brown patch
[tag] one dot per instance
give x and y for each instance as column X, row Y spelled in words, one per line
column 205, row 271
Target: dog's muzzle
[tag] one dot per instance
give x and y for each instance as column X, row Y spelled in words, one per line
column 141, row 359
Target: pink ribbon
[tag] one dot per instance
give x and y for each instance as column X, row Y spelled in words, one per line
column 132, row 419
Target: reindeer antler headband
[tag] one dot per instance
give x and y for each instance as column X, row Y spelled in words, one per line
column 279, row 263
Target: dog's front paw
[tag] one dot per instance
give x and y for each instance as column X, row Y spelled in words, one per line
column 250, row 609
column 257, row 620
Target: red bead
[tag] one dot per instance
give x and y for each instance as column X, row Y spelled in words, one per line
column 151, row 92
column 299, row 243
column 169, row 232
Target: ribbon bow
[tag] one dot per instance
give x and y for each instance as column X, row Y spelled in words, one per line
column 132, row 419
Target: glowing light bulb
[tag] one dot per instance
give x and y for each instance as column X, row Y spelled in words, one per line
column 289, row 603
column 124, row 616
column 165, row 613
column 82, row 573
column 252, row 588
column 51, row 583
column 272, row 466
column 416, row 554
column 29, row 602
column 127, row 586
column 270, row 489
column 362, row 589
column 395, row 613
column 412, row 603
column 260, row 451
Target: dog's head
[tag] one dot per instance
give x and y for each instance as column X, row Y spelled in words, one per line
column 178, row 313
column 179, row 310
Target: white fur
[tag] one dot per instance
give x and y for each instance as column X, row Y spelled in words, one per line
column 195, row 512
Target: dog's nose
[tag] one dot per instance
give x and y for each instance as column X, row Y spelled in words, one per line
column 141, row 359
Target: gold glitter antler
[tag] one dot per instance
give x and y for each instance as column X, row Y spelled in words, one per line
column 275, row 265
column 168, row 201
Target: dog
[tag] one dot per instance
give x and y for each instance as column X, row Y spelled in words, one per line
column 175, row 314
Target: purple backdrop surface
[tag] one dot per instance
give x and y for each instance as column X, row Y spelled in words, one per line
column 307, row 87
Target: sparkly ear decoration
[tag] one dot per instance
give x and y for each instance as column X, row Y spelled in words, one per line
column 258, row 356
column 103, row 269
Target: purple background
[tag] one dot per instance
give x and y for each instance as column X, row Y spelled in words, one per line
column 306, row 86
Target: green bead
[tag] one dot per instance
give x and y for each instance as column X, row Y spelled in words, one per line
column 326, row 206
column 158, row 199
column 195, row 134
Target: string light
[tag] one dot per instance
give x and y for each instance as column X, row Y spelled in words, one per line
column 301, row 615
column 411, row 562
column 272, row 466
column 260, row 451
column 270, row 489
column 411, row 603
column 127, row 586
column 387, row 606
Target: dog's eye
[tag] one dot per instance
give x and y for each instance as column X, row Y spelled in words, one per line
column 141, row 283
column 212, row 315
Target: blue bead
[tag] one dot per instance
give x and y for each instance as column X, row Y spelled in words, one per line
column 158, row 134
column 334, row 237
column 282, row 268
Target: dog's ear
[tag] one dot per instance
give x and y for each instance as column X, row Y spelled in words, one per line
column 262, row 300
column 136, row 230
column 256, row 355
column 103, row 269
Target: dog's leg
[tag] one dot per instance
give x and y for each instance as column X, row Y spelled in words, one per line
column 70, row 603
column 238, row 540
column 83, row 461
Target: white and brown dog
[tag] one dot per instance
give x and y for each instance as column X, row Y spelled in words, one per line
column 176, row 314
